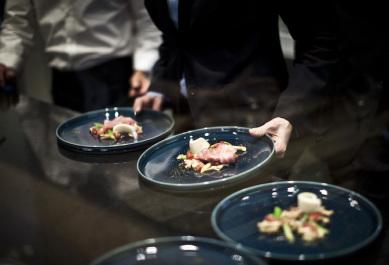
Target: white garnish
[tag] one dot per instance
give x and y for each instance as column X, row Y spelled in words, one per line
column 196, row 146
column 125, row 128
column 308, row 202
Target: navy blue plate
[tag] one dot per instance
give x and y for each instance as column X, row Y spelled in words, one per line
column 178, row 251
column 159, row 165
column 355, row 223
column 74, row 133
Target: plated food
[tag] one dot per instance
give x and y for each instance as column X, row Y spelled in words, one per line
column 160, row 167
column 309, row 219
column 352, row 222
column 81, row 132
column 203, row 157
column 116, row 129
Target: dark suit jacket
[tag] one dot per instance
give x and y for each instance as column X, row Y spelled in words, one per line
column 359, row 111
column 2, row 5
column 229, row 52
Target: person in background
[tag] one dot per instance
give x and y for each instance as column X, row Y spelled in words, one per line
column 8, row 95
column 354, row 137
column 359, row 115
column 224, row 60
column 97, row 50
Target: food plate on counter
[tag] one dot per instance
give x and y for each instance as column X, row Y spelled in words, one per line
column 114, row 130
column 186, row 250
column 205, row 159
column 349, row 220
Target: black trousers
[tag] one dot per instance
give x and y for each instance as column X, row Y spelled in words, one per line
column 101, row 86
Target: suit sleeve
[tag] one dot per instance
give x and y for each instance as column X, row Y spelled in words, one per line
column 304, row 102
column 166, row 72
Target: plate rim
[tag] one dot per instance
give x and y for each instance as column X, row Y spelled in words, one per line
column 186, row 238
column 311, row 257
column 109, row 149
column 208, row 185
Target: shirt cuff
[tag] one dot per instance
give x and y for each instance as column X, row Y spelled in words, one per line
column 145, row 60
column 154, row 94
column 11, row 60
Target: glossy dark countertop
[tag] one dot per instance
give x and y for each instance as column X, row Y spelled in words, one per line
column 61, row 207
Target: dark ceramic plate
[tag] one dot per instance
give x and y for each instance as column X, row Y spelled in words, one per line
column 159, row 165
column 355, row 223
column 74, row 133
column 178, row 251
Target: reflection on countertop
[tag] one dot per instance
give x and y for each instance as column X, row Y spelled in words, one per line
column 59, row 207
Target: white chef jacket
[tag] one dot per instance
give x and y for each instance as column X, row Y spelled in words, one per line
column 79, row 34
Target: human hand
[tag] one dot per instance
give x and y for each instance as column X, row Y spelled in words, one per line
column 139, row 83
column 153, row 100
column 6, row 74
column 279, row 130
column 9, row 95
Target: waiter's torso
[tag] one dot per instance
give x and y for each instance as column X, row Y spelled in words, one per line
column 219, row 41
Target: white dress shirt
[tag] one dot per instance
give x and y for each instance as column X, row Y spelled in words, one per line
column 79, row 34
